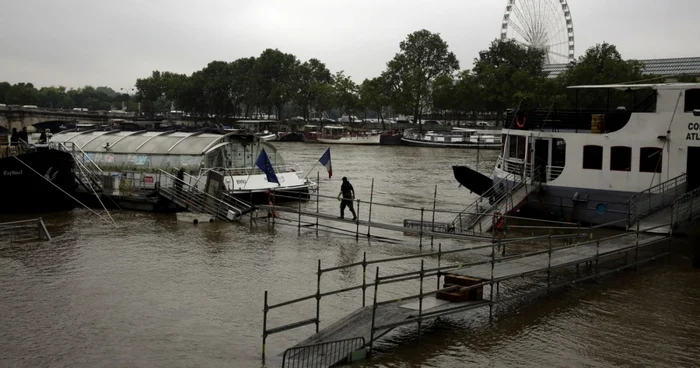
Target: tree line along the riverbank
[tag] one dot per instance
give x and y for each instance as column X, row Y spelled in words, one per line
column 423, row 77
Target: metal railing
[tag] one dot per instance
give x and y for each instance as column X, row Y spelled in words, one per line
column 656, row 197
column 500, row 198
column 686, row 207
column 24, row 230
column 193, row 199
column 327, row 354
column 228, row 171
column 87, row 168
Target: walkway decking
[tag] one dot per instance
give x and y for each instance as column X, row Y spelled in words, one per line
column 391, row 314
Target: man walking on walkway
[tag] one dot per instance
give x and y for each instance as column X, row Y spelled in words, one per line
column 348, row 194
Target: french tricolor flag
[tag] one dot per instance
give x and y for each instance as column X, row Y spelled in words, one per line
column 326, row 161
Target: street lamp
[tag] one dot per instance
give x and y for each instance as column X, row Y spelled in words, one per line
column 127, row 90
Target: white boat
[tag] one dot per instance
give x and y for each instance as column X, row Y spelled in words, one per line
column 336, row 134
column 457, row 138
column 141, row 155
column 594, row 163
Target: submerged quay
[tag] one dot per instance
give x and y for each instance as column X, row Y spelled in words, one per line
column 157, row 292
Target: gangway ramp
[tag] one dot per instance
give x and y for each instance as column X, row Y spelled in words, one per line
column 193, row 199
column 504, row 198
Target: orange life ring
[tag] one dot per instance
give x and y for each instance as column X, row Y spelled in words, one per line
column 520, row 124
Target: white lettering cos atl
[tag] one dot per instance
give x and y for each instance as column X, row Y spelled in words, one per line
column 693, row 136
column 11, row 172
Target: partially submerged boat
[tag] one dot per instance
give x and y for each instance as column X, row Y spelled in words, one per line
column 457, row 138
column 145, row 154
column 595, row 165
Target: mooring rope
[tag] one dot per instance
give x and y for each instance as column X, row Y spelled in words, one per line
column 64, row 192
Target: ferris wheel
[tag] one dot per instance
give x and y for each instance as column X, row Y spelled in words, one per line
column 543, row 24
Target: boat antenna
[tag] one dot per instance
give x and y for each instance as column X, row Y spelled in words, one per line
column 61, row 189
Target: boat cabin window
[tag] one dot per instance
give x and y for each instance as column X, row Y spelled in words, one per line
column 650, row 159
column 516, row 147
column 621, row 158
column 593, row 157
column 558, row 152
column 692, row 100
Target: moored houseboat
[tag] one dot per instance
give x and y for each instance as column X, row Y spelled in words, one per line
column 594, row 164
column 145, row 154
column 456, row 138
column 338, row 134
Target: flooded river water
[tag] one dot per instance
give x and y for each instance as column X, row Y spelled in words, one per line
column 153, row 292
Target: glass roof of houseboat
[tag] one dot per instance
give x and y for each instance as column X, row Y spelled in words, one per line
column 640, row 86
column 661, row 67
column 147, row 142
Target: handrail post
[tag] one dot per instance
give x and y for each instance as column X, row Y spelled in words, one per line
column 420, row 234
column 364, row 277
column 493, row 265
column 299, row 217
column 549, row 263
column 318, row 195
column 357, row 221
column 636, row 248
column 433, row 222
column 439, row 257
column 420, row 297
column 273, row 208
column 369, row 219
column 597, row 254
column 318, row 296
column 374, row 312
column 264, row 336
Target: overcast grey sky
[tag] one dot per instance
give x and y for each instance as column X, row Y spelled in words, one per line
column 79, row 42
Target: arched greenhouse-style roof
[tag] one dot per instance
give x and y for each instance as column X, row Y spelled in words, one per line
column 145, row 142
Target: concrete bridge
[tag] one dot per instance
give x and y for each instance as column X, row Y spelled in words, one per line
column 19, row 117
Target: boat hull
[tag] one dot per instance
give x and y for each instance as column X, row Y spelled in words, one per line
column 37, row 182
column 291, row 137
column 288, row 194
column 372, row 139
column 390, row 140
column 419, row 143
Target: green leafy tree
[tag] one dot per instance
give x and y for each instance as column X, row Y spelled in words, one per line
column 22, row 94
column 4, row 88
column 423, row 57
column 346, row 93
column 276, row 73
column 375, row 95
column 510, row 76
column 601, row 64
column 311, row 75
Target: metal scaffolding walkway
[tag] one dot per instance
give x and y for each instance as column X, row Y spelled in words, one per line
column 371, row 322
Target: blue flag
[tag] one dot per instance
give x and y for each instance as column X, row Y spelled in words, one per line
column 264, row 164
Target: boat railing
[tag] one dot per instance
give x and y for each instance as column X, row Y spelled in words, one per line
column 553, row 172
column 235, row 171
column 656, row 197
column 502, row 190
column 193, row 198
column 77, row 152
column 686, row 207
